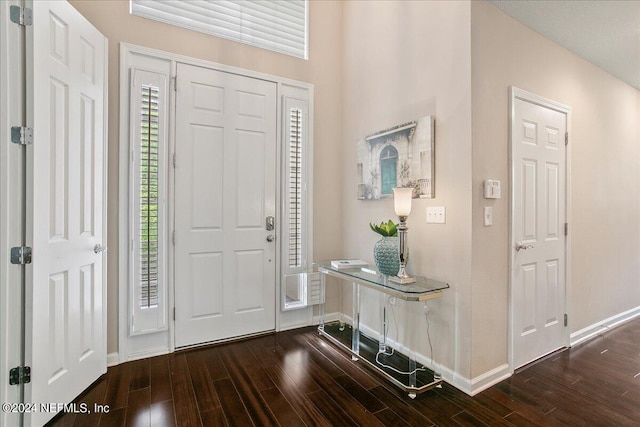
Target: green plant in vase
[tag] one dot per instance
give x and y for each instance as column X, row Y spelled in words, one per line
column 385, row 251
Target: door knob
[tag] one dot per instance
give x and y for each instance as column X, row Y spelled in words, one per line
column 270, row 238
column 519, row 246
column 99, row 249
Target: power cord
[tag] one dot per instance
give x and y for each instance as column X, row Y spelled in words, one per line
column 384, row 353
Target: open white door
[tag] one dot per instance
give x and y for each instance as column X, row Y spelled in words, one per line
column 538, row 241
column 225, row 193
column 65, row 313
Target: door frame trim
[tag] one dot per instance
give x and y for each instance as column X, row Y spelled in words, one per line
column 282, row 83
column 12, row 105
column 517, row 93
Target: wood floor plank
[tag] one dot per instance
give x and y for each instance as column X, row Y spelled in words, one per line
column 95, row 395
column 186, row 408
column 139, row 374
column 397, row 405
column 216, row 368
column 441, row 411
column 483, row 413
column 366, row 399
column 114, row 418
column 118, row 386
column 163, row 414
column 332, row 412
column 214, row 418
column 356, row 370
column 466, row 419
column 522, row 405
column 389, row 418
column 139, row 408
column 292, row 391
column 159, row 379
column 252, row 367
column 339, row 395
column 297, row 370
column 256, row 407
column 206, row 397
column 235, row 413
column 281, row 409
column 519, row 420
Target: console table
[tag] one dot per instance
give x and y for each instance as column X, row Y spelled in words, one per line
column 402, row 370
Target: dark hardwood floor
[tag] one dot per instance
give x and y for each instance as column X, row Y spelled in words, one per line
column 296, row 378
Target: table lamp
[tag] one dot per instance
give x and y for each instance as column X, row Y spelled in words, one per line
column 402, row 205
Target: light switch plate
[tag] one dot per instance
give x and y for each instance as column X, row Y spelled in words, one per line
column 436, row 215
column 488, row 215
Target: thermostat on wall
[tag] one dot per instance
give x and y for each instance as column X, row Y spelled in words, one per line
column 492, row 189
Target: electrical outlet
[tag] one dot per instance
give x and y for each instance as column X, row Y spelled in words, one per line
column 436, row 215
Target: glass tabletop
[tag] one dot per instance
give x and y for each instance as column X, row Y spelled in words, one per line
column 369, row 275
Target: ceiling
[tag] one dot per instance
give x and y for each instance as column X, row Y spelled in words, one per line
column 606, row 33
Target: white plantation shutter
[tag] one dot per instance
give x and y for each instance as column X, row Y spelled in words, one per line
column 148, row 200
column 148, row 107
column 278, row 25
column 295, row 187
column 296, row 176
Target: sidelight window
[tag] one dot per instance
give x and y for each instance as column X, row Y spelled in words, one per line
column 148, row 106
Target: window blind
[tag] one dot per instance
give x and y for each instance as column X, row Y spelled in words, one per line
column 277, row 25
column 148, row 198
column 295, row 187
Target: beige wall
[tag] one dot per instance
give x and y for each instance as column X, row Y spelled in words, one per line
column 605, row 178
column 402, row 61
column 322, row 69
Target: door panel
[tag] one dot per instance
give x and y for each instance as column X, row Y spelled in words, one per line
column 538, row 269
column 225, row 188
column 66, row 343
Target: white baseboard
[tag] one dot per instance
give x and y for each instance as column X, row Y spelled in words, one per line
column 488, row 379
column 148, row 353
column 113, row 359
column 602, row 326
column 328, row 317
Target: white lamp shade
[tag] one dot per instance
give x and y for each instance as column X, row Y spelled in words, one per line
column 402, row 200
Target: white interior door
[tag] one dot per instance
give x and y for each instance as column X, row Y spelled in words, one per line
column 66, row 336
column 225, row 188
column 537, row 238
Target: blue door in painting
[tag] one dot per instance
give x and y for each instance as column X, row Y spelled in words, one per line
column 388, row 169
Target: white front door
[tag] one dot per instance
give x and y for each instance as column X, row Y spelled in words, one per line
column 225, row 188
column 65, row 329
column 538, row 222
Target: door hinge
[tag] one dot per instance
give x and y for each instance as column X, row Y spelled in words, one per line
column 175, row 83
column 174, row 160
column 21, row 15
column 20, row 375
column 566, row 138
column 21, row 255
column 566, row 228
column 566, row 319
column 173, row 238
column 174, row 313
column 21, row 135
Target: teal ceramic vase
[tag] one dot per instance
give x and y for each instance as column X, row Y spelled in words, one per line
column 385, row 254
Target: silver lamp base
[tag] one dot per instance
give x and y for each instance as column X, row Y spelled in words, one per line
column 402, row 280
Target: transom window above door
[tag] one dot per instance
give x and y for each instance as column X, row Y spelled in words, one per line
column 277, row 25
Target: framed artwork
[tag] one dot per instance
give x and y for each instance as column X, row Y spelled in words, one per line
column 401, row 156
